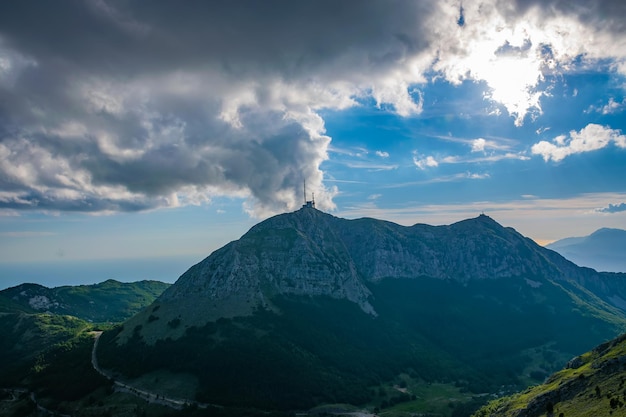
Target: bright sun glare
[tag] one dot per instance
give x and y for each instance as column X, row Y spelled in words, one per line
column 512, row 80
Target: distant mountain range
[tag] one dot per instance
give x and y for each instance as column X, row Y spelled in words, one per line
column 603, row 250
column 47, row 337
column 109, row 301
column 307, row 309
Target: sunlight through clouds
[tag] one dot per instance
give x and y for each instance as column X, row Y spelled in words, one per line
column 161, row 110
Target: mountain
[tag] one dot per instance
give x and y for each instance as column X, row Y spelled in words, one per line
column 603, row 250
column 25, row 336
column 45, row 356
column 109, row 301
column 307, row 308
column 39, row 325
column 590, row 384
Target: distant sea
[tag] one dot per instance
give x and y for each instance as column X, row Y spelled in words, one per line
column 63, row 272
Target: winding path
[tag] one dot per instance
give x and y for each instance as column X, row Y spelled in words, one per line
column 151, row 397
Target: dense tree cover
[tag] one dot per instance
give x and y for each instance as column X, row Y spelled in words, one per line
column 322, row 350
column 28, row 336
column 65, row 372
column 297, row 359
column 488, row 324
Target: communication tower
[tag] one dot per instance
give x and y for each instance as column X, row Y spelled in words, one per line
column 308, row 203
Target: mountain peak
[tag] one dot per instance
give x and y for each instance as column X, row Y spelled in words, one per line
column 609, row 232
column 484, row 219
column 312, row 253
column 603, row 250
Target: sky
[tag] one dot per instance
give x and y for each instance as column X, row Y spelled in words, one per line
column 137, row 137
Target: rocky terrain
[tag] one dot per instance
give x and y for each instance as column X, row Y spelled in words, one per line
column 308, row 309
column 312, row 253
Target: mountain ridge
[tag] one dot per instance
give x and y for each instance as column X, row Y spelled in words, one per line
column 309, row 252
column 108, row 301
column 602, row 250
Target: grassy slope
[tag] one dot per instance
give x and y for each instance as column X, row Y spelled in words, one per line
column 109, row 301
column 592, row 384
column 25, row 337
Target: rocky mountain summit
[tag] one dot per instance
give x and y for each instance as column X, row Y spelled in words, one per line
column 309, row 252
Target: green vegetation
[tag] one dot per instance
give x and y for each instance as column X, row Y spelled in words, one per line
column 27, row 336
column 295, row 360
column 50, row 354
column 592, row 384
column 484, row 337
column 64, row 372
column 109, row 301
column 479, row 337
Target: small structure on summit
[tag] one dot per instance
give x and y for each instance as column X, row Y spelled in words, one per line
column 308, row 203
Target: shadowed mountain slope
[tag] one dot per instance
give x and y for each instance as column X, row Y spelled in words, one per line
column 308, row 308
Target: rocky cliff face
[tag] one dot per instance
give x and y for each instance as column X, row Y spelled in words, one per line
column 309, row 252
column 300, row 253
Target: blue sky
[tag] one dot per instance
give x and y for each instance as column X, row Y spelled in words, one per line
column 154, row 135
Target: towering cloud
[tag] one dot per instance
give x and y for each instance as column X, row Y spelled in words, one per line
column 126, row 105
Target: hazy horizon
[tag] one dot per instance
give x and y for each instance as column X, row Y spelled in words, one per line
column 86, row 272
column 60, row 272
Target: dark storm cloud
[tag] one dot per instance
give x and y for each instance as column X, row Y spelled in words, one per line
column 602, row 13
column 130, row 105
column 242, row 37
column 129, row 100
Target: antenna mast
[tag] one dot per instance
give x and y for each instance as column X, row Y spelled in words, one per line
column 311, row 203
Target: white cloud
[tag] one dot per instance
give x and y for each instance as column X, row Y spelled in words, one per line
column 477, row 176
column 382, row 154
column 424, row 162
column 478, row 145
column 495, row 157
column 590, row 138
column 371, row 166
column 612, row 107
column 461, row 176
column 159, row 112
